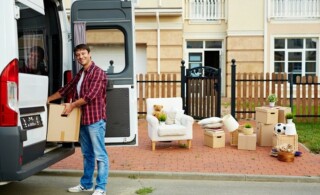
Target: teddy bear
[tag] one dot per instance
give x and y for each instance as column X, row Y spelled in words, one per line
column 157, row 110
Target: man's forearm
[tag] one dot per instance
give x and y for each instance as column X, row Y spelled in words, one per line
column 54, row 96
column 78, row 103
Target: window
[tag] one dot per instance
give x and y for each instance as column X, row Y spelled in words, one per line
column 107, row 49
column 32, row 55
column 295, row 55
column 204, row 53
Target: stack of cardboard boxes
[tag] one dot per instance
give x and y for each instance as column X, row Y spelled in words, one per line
column 266, row 119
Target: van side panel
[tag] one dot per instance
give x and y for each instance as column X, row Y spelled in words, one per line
column 8, row 40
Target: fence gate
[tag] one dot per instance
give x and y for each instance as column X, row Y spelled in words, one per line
column 201, row 91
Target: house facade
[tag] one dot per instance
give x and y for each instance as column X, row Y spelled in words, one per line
column 262, row 35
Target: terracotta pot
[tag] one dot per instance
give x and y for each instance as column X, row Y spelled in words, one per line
column 286, row 156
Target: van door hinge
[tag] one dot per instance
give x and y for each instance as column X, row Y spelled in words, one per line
column 16, row 12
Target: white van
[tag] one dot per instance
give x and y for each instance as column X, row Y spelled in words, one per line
column 36, row 60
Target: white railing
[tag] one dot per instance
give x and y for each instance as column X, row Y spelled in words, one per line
column 206, row 9
column 294, row 9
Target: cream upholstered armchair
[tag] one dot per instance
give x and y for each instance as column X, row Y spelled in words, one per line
column 178, row 126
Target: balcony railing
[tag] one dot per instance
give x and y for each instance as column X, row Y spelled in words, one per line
column 294, row 9
column 206, row 9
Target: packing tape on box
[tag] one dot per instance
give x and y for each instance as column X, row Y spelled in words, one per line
column 62, row 136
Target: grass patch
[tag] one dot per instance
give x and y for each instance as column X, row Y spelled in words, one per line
column 309, row 135
column 144, row 191
column 132, row 177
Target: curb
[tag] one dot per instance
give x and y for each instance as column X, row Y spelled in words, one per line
column 190, row 176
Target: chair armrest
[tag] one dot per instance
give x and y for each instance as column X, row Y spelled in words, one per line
column 186, row 120
column 153, row 121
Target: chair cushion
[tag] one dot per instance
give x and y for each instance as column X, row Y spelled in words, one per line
column 170, row 118
column 174, row 116
column 171, row 130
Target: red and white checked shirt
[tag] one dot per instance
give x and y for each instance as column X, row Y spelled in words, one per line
column 93, row 91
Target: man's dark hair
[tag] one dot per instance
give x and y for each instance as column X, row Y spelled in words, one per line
column 81, row 47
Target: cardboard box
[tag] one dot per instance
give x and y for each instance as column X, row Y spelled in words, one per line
column 234, row 136
column 264, row 134
column 63, row 128
column 247, row 142
column 214, row 139
column 279, row 139
column 282, row 111
column 266, row 115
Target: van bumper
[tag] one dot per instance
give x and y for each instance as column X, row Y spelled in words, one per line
column 11, row 156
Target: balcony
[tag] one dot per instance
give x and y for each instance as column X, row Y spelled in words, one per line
column 208, row 10
column 293, row 9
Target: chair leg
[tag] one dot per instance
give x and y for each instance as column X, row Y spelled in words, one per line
column 153, row 146
column 189, row 143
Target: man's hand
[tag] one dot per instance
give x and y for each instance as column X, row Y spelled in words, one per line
column 68, row 107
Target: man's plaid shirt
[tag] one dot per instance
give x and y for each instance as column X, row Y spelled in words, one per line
column 93, row 91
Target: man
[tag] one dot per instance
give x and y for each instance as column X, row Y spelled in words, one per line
column 89, row 92
column 35, row 63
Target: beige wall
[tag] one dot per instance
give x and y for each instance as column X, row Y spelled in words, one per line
column 245, row 15
column 159, row 3
column 170, row 49
column 248, row 51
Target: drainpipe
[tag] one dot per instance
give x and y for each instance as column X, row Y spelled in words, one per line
column 158, row 41
column 265, row 37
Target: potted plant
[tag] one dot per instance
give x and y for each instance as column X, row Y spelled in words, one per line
column 247, row 129
column 289, row 117
column 162, row 118
column 272, row 98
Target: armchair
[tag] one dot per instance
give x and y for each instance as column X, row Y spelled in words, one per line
column 181, row 129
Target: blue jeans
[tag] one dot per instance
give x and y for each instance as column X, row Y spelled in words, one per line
column 93, row 147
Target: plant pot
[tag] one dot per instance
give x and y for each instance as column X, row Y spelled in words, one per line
column 272, row 104
column 162, row 123
column 247, row 131
column 290, row 129
column 286, row 156
column 289, row 121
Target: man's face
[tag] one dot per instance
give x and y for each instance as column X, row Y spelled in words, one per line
column 33, row 59
column 83, row 57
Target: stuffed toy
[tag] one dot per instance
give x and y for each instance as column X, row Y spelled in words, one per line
column 157, row 110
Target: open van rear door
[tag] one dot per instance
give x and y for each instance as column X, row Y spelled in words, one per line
column 107, row 27
column 36, row 5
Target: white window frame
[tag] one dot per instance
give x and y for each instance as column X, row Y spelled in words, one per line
column 303, row 50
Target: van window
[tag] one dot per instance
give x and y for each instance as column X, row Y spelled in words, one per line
column 107, row 49
column 33, row 57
